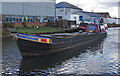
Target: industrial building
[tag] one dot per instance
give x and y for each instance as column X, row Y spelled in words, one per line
column 75, row 15
column 64, row 9
column 44, row 11
column 107, row 18
column 36, row 13
column 88, row 16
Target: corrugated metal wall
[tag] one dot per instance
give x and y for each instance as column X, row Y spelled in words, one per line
column 28, row 8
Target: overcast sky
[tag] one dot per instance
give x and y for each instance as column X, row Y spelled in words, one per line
column 110, row 6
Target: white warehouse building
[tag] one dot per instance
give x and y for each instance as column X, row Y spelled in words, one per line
column 74, row 14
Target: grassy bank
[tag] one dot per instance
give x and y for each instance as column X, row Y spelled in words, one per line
column 39, row 30
column 4, row 32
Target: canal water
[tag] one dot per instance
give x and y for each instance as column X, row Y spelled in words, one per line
column 100, row 58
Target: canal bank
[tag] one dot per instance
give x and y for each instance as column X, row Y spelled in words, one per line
column 113, row 25
column 101, row 58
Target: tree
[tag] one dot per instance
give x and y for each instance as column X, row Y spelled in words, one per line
column 24, row 22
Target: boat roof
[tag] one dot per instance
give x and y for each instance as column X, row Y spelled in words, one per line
column 61, row 34
column 65, row 35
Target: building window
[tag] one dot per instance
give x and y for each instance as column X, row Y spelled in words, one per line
column 68, row 9
column 80, row 18
column 74, row 17
column 4, row 19
column 50, row 19
column 10, row 19
column 45, row 19
column 17, row 19
column 7, row 19
column 20, row 19
column 29, row 19
column 61, row 9
column 34, row 19
column 38, row 19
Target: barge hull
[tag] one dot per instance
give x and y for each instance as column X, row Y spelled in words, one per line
column 31, row 48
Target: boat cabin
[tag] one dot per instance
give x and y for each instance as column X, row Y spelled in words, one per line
column 91, row 27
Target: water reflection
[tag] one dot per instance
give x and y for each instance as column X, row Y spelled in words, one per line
column 11, row 57
column 100, row 58
column 46, row 64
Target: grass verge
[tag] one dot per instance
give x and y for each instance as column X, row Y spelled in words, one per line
column 39, row 30
column 4, row 32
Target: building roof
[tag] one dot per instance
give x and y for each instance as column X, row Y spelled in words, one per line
column 66, row 5
column 104, row 14
column 92, row 14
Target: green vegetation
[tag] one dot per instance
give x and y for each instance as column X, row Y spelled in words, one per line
column 8, row 25
column 4, row 32
column 38, row 30
column 24, row 22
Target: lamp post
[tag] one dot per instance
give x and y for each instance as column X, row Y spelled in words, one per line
column 55, row 11
column 23, row 14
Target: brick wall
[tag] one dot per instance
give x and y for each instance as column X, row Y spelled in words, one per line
column 15, row 24
column 28, row 24
column 39, row 24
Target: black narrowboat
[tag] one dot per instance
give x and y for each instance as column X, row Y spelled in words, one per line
column 30, row 45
